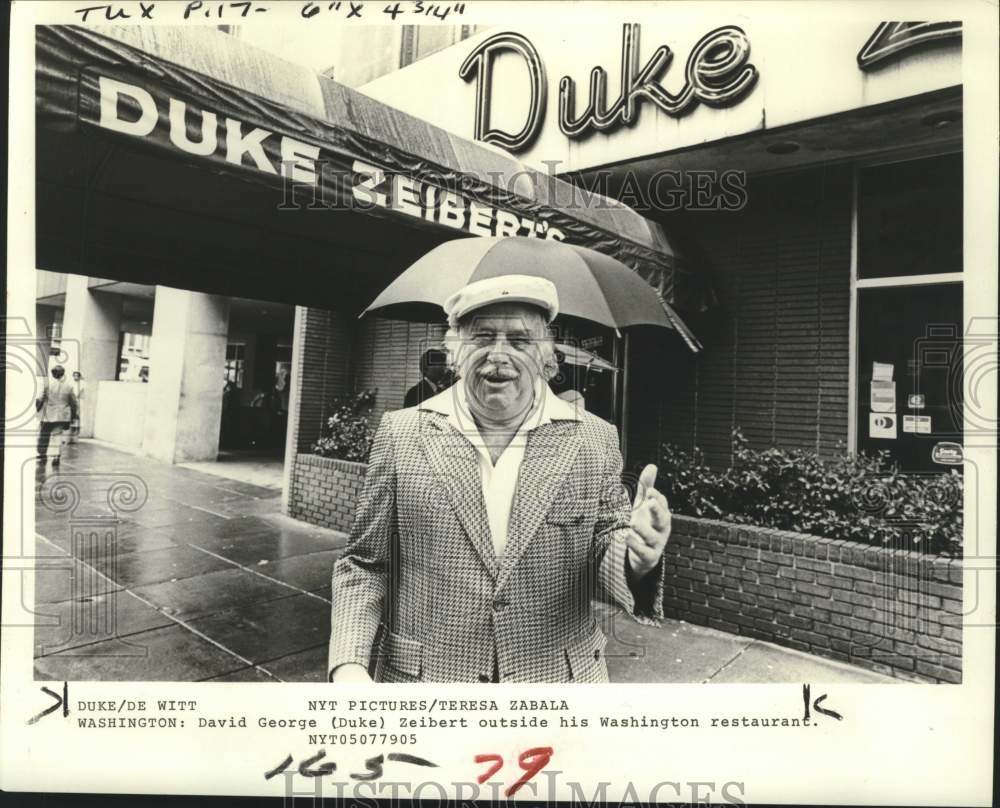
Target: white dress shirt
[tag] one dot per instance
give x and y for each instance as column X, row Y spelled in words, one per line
column 499, row 481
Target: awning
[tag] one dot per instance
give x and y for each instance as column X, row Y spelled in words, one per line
column 133, row 115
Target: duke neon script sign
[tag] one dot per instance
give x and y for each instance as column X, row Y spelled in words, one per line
column 718, row 73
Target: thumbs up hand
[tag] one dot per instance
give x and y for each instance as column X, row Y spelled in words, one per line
column 649, row 527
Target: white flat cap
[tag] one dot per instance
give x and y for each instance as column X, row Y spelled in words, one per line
column 537, row 291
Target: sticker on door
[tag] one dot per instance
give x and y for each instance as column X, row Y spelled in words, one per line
column 882, row 425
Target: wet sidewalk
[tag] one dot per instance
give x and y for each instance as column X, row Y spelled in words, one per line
column 681, row 652
column 206, row 581
column 209, row 582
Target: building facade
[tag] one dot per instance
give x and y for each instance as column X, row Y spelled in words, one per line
column 817, row 191
column 170, row 373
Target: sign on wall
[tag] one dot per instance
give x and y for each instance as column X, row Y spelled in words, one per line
column 432, row 203
column 129, row 109
column 717, row 73
column 581, row 95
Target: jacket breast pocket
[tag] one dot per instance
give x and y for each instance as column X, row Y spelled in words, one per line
column 570, row 511
column 402, row 658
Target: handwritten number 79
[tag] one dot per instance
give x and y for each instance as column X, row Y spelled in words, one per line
column 532, row 761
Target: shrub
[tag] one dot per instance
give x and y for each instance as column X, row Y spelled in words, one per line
column 863, row 498
column 348, row 434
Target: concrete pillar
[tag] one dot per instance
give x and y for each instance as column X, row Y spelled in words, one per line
column 45, row 317
column 90, row 328
column 187, row 356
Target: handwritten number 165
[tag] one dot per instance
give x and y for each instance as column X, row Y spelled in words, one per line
column 531, row 760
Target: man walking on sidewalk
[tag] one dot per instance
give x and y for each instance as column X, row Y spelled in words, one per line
column 57, row 408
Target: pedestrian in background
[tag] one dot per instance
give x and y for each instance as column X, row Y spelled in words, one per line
column 436, row 376
column 57, row 408
column 74, row 428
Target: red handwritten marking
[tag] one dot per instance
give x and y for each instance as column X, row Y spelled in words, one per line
column 497, row 762
column 532, row 761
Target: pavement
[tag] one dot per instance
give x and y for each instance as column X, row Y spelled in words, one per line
column 260, row 468
column 205, row 580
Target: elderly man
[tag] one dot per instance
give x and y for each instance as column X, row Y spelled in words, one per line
column 491, row 516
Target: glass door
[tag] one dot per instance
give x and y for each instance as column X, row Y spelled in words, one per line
column 909, row 374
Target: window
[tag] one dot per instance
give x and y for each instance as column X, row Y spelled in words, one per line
column 908, row 312
column 910, row 218
column 136, row 345
column 133, row 358
column 235, row 363
column 420, row 41
column 54, row 333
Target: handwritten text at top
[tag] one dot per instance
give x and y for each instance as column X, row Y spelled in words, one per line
column 197, row 10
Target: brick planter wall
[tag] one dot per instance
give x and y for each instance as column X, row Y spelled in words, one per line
column 897, row 612
column 324, row 490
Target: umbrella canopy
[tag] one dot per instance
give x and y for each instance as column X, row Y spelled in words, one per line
column 591, row 285
column 581, row 358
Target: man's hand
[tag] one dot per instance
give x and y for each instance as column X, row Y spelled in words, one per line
column 350, row 672
column 649, row 526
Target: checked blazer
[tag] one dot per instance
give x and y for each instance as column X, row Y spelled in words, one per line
column 420, row 595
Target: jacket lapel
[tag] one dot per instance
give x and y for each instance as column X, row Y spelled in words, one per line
column 550, row 453
column 456, row 467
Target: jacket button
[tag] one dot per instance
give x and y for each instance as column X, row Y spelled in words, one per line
column 597, row 654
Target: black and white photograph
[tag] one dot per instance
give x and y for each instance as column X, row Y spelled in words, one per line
column 506, row 344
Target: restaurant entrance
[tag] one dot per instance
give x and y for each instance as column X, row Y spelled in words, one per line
column 256, row 378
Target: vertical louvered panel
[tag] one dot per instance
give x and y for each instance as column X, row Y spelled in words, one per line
column 388, row 357
column 775, row 361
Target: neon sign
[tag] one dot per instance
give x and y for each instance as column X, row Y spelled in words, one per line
column 892, row 38
column 479, row 64
column 717, row 73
